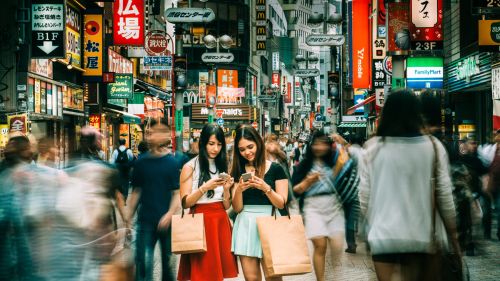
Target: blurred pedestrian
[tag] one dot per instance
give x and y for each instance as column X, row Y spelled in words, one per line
column 493, row 186
column 261, row 185
column 206, row 189
column 123, row 159
column 143, row 149
column 396, row 183
column 193, row 148
column 48, row 152
column 321, row 208
column 155, row 181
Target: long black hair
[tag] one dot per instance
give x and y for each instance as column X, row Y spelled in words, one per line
column 208, row 131
column 401, row 116
column 249, row 133
column 306, row 164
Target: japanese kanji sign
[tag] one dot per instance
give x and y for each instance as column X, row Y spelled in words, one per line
column 95, row 121
column 128, row 22
column 426, row 24
column 17, row 123
column 47, row 25
column 92, row 45
column 73, row 38
column 227, row 78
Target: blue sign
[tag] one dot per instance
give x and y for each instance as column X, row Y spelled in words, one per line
column 220, row 122
column 158, row 63
column 359, row 99
column 318, row 117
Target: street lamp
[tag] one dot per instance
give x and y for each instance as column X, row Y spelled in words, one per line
column 225, row 41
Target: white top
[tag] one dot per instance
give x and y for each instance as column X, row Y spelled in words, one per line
column 130, row 154
column 219, row 191
column 395, row 194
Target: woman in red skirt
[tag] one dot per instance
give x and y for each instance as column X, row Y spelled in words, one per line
column 206, row 187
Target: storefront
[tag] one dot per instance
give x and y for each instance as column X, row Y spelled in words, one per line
column 469, row 92
column 231, row 115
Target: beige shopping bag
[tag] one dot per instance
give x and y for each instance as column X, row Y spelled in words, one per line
column 284, row 245
column 188, row 233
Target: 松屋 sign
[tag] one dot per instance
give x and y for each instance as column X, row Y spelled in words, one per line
column 128, row 22
column 123, row 88
column 93, row 47
column 424, row 73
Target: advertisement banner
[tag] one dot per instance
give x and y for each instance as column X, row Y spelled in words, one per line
column 230, row 95
column 227, row 78
column 398, row 16
column 95, row 121
column 361, row 54
column 489, row 32
column 47, row 28
column 123, row 88
column 426, row 24
column 118, row 64
column 17, row 123
column 128, row 22
column 288, row 96
column 202, row 84
column 73, row 36
column 275, row 81
column 424, row 73
column 92, row 51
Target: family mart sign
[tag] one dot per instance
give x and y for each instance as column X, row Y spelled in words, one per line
column 424, row 73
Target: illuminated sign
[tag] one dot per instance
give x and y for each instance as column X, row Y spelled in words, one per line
column 93, row 47
column 424, row 73
column 426, row 24
column 361, row 52
column 128, row 22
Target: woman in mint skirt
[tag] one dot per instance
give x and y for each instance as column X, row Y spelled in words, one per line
column 253, row 197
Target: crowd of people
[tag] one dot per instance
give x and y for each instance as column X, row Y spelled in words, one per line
column 405, row 191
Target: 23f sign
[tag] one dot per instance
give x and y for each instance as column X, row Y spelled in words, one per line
column 47, row 35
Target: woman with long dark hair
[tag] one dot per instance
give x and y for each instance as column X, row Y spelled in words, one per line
column 253, row 196
column 396, row 193
column 205, row 187
column 321, row 208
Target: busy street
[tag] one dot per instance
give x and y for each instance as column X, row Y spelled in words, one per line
column 277, row 140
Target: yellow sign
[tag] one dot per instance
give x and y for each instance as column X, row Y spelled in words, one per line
column 489, row 33
column 73, row 49
column 466, row 128
column 92, row 45
column 4, row 135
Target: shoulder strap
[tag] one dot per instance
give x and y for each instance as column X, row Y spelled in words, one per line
column 433, row 194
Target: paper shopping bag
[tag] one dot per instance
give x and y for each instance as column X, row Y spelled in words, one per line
column 188, row 234
column 284, row 246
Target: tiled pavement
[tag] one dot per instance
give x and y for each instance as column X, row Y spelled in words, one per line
column 484, row 266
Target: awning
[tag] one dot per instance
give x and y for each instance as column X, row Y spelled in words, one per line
column 152, row 89
column 352, row 125
column 365, row 101
column 127, row 117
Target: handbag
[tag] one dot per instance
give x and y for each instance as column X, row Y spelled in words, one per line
column 284, row 245
column 447, row 266
column 188, row 232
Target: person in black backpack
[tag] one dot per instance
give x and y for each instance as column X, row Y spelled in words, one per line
column 122, row 158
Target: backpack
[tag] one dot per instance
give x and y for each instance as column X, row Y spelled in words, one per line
column 122, row 157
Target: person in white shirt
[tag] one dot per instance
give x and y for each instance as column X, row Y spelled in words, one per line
column 396, row 193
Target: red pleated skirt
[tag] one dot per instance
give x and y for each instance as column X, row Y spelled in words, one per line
column 218, row 262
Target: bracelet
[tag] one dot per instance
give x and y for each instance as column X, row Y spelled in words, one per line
column 267, row 191
column 202, row 191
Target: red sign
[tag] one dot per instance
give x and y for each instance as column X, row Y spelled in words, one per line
column 211, row 96
column 119, row 64
column 95, row 121
column 128, row 22
column 426, row 22
column 288, row 96
column 227, row 78
column 108, row 77
column 275, row 80
column 361, row 52
column 17, row 123
column 398, row 17
column 219, row 113
column 156, row 43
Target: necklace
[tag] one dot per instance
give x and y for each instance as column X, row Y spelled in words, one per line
column 213, row 173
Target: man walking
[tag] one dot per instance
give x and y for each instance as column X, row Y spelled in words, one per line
column 155, row 181
column 122, row 158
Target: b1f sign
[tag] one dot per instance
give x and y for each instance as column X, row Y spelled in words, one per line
column 128, row 22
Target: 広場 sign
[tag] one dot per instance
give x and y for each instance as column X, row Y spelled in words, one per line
column 424, row 72
column 123, row 88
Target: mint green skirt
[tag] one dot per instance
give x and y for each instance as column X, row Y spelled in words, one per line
column 246, row 240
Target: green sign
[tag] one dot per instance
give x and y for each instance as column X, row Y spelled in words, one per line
column 119, row 102
column 210, row 119
column 123, row 88
column 398, row 83
column 178, row 120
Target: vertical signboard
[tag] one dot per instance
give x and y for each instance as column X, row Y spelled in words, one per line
column 227, row 78
column 93, row 45
column 398, row 17
column 378, row 36
column 128, row 22
column 361, row 52
column 47, row 29
column 426, row 24
column 73, row 36
column 288, row 96
column 261, row 26
column 275, row 81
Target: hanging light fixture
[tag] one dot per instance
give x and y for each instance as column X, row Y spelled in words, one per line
column 70, row 62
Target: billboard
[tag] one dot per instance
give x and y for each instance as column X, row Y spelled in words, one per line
column 361, row 52
column 424, row 73
column 93, row 49
column 128, row 22
column 489, row 33
column 426, row 25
